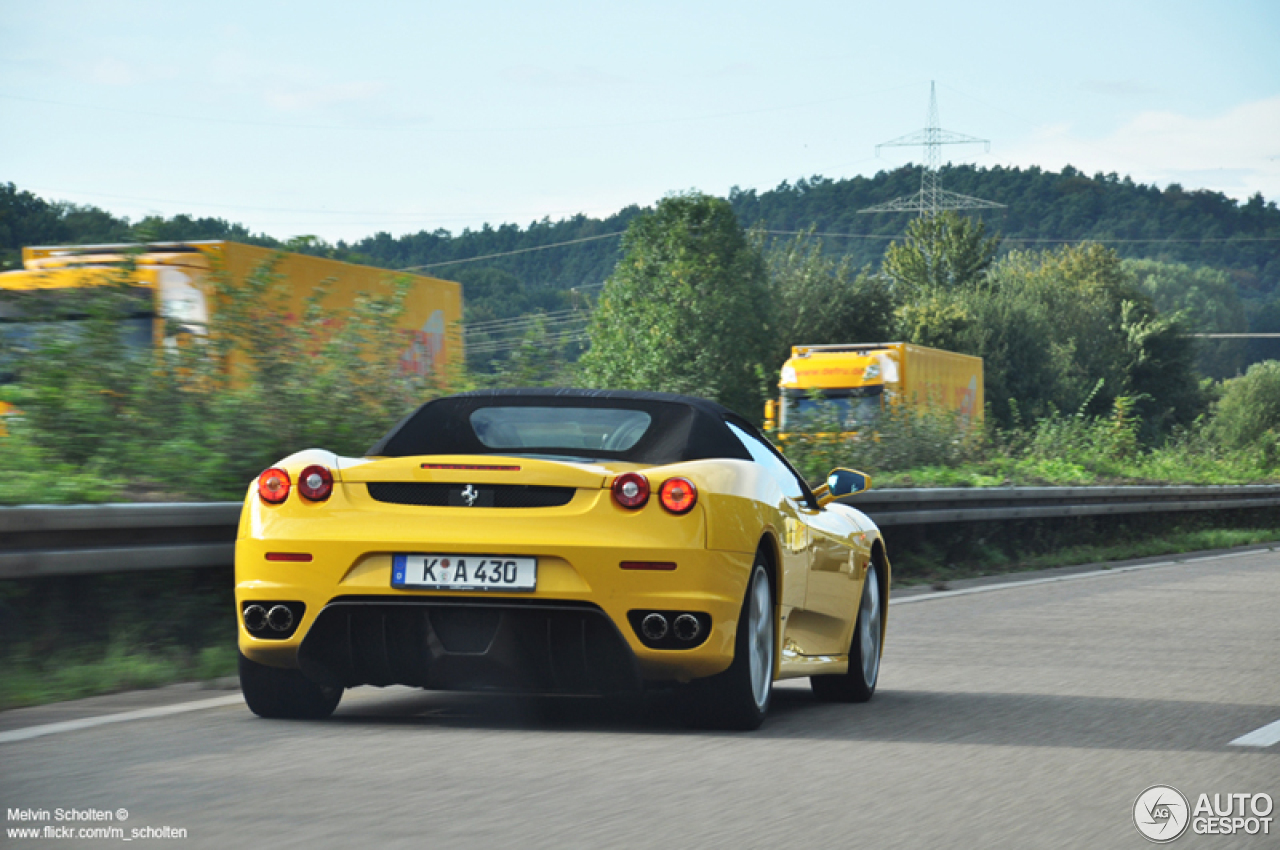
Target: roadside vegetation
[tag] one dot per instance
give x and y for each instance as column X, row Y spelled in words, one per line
column 938, row 555
column 65, row 637
column 1087, row 380
column 104, row 419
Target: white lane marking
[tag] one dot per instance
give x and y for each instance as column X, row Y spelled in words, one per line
column 1262, row 737
column 1006, row 585
column 122, row 717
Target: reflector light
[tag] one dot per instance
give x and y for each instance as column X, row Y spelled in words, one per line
column 315, row 483
column 288, row 556
column 678, row 495
column 631, row 490
column 273, row 486
column 666, row 566
column 471, row 466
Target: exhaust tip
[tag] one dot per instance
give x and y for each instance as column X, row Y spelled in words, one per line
column 255, row 617
column 687, row 627
column 280, row 618
column 654, row 626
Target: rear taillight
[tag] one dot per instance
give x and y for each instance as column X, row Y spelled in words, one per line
column 678, row 495
column 631, row 490
column 315, row 483
column 273, row 486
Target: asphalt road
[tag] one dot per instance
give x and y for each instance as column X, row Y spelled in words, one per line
column 1029, row 716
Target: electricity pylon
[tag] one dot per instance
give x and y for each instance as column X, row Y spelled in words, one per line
column 932, row 198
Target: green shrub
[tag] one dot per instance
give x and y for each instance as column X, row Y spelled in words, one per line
column 1248, row 414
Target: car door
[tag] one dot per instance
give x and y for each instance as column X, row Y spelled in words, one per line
column 796, row 539
column 819, row 544
column 837, row 564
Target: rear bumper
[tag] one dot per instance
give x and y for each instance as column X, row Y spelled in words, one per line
column 573, row 634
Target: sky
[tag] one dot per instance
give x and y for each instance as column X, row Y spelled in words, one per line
column 341, row 120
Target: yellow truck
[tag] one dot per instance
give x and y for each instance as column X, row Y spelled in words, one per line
column 862, row 379
column 173, row 281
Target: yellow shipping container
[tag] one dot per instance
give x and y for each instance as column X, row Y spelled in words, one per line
column 173, row 282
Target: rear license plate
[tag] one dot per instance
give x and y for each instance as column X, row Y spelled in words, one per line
column 464, row 572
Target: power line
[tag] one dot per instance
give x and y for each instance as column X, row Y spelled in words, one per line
column 500, row 325
column 1053, row 239
column 831, row 235
column 512, row 253
column 877, row 236
column 512, row 343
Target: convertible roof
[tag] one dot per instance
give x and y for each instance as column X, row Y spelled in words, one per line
column 683, row 428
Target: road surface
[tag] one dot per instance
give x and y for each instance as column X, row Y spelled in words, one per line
column 1023, row 716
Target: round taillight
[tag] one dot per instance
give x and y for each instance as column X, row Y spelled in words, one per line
column 678, row 495
column 273, row 486
column 315, row 483
column 631, row 490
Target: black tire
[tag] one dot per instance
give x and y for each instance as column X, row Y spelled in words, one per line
column 276, row 692
column 859, row 683
column 739, row 698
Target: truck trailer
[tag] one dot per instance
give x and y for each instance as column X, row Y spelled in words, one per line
column 862, row 379
column 173, row 283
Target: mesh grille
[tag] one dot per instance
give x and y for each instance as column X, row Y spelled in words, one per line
column 460, row 645
column 432, row 494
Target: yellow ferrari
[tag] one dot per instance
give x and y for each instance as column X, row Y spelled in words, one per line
column 558, row 541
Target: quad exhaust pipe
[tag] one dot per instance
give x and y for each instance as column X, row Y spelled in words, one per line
column 671, row 629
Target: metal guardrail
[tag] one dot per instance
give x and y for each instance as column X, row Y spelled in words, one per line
column 977, row 504
column 52, row 540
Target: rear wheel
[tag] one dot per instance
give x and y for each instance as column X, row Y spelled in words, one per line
column 859, row 684
column 739, row 697
column 275, row 692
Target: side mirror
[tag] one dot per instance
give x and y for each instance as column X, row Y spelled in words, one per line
column 842, row 482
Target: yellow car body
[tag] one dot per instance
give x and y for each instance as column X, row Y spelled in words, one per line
column 599, row 567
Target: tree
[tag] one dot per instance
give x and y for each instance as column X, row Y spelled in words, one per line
column 1092, row 334
column 1210, row 304
column 686, row 309
column 942, row 252
column 818, row 299
column 1065, row 330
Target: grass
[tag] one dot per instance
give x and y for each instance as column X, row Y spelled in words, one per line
column 37, row 680
column 926, row 562
column 1188, row 541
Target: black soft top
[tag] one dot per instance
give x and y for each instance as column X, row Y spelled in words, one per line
column 683, row 427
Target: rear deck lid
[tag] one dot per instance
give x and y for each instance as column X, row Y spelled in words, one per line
column 477, row 469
